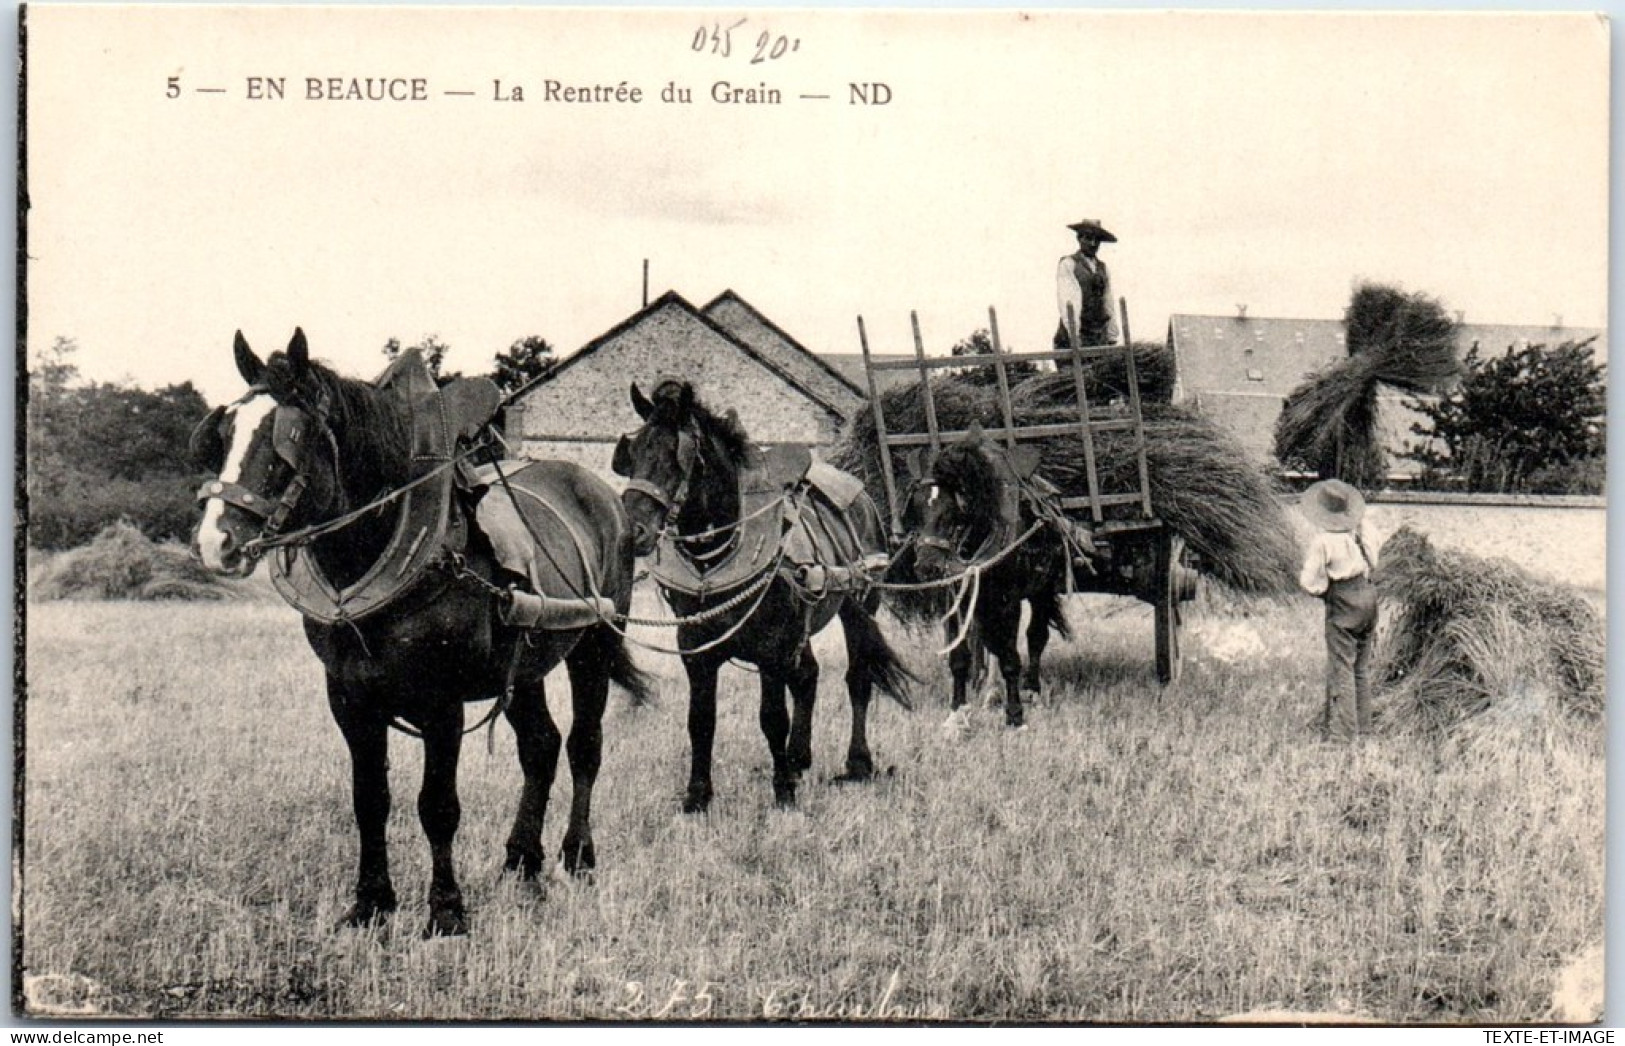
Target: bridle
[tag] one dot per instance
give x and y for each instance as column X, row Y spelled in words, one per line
column 290, row 428
column 951, row 545
column 688, row 457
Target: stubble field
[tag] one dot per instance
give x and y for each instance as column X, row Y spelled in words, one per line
column 1134, row 855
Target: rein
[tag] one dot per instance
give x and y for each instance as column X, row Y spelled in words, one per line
column 305, row 535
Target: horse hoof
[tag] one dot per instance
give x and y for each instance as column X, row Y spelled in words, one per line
column 526, row 865
column 367, row 912
column 450, row 921
column 799, row 761
column 784, row 794
column 580, row 858
column 697, row 800
column 857, row 773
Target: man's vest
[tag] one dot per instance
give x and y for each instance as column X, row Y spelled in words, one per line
column 1094, row 323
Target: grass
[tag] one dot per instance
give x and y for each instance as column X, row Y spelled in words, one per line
column 1135, row 855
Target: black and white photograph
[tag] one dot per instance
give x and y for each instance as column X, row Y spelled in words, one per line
column 838, row 516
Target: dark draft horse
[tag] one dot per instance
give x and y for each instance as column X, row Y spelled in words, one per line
column 323, row 445
column 684, row 466
column 969, row 505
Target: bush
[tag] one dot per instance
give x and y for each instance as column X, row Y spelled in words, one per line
column 1529, row 417
column 69, row 513
column 121, row 563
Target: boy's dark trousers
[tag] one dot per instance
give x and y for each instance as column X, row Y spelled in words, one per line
column 1351, row 622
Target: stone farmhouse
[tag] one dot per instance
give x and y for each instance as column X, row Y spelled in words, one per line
column 736, row 357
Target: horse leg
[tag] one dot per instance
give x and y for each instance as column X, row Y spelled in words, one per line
column 775, row 720
column 962, row 660
column 1000, row 622
column 538, row 742
column 803, row 680
column 702, row 728
column 1038, row 628
column 440, row 813
column 368, row 739
column 589, row 694
column 860, row 687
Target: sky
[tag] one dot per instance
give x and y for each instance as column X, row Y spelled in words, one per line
column 1271, row 160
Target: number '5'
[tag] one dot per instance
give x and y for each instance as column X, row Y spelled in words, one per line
column 174, row 88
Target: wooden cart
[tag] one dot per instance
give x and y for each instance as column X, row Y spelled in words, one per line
column 1135, row 554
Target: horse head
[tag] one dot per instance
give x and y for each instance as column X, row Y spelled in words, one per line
column 273, row 455
column 682, row 466
column 963, row 501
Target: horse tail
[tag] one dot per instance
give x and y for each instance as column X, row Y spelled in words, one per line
column 605, row 643
column 868, row 652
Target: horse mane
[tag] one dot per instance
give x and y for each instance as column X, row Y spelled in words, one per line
column 970, row 471
column 725, row 430
column 369, row 424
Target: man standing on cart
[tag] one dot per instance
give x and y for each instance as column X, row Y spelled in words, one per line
column 1084, row 284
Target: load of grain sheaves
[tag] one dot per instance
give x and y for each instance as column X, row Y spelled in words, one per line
column 120, row 562
column 1204, row 486
column 1470, row 635
column 1328, row 424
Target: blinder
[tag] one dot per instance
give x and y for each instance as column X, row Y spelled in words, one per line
column 206, row 446
column 621, row 463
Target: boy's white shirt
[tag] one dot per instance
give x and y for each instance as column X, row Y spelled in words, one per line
column 1336, row 557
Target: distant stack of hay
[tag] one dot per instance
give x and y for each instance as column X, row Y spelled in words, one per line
column 1475, row 636
column 120, row 562
column 1203, row 484
column 1328, row 425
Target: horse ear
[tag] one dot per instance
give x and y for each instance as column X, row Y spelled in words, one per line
column 299, row 353
column 685, row 400
column 1024, row 459
column 621, row 462
column 640, row 402
column 250, row 366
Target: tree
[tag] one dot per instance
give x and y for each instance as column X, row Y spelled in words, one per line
column 1531, row 418
column 524, row 361
column 980, row 343
column 98, row 452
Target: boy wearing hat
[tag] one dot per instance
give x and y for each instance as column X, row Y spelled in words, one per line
column 1085, row 285
column 1337, row 567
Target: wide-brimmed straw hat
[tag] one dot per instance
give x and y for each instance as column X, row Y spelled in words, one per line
column 1092, row 227
column 1333, row 505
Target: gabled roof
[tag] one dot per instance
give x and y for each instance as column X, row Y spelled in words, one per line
column 728, row 308
column 671, row 299
column 851, row 365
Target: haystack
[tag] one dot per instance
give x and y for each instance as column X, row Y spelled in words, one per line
column 120, row 562
column 1328, row 425
column 1104, row 380
column 1203, row 484
column 1475, row 636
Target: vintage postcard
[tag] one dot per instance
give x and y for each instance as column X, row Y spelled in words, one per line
column 837, row 515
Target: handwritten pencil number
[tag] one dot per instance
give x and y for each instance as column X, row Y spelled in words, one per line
column 770, row 47
column 718, row 38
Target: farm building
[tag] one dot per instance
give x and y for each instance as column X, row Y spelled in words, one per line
column 735, row 356
column 1239, row 369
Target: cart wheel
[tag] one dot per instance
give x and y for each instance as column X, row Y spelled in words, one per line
column 1170, row 547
